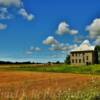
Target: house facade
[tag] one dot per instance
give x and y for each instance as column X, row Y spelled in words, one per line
column 85, row 54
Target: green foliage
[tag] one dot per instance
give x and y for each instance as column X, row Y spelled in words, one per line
column 98, row 50
column 67, row 60
column 91, row 69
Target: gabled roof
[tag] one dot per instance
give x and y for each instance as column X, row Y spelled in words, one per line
column 85, row 46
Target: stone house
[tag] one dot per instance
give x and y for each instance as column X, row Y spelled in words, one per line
column 85, row 54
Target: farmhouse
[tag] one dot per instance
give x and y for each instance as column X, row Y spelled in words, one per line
column 85, row 54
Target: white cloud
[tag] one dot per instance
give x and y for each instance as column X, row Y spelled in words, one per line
column 60, row 55
column 63, row 28
column 4, row 10
column 35, row 48
column 50, row 40
column 79, row 39
column 62, row 47
column 4, row 13
column 71, row 47
column 57, row 46
column 94, row 28
column 29, row 52
column 73, row 32
column 97, row 41
column 24, row 13
column 3, row 26
column 16, row 3
column 86, row 42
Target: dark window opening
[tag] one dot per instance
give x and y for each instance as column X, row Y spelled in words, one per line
column 76, row 60
column 83, row 59
column 72, row 54
column 79, row 60
column 87, row 58
column 72, row 60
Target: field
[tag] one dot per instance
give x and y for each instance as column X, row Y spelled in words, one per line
column 58, row 68
column 55, row 82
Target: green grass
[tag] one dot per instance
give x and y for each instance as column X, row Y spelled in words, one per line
column 91, row 69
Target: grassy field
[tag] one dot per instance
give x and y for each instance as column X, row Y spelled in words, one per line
column 48, row 86
column 59, row 82
column 91, row 69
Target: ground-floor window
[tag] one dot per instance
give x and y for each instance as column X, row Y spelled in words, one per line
column 76, row 60
column 79, row 60
column 87, row 58
column 72, row 60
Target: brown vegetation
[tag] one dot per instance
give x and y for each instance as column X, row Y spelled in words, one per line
column 28, row 82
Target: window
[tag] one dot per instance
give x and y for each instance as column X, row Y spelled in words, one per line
column 87, row 58
column 83, row 59
column 79, row 60
column 80, row 54
column 72, row 54
column 72, row 60
column 76, row 60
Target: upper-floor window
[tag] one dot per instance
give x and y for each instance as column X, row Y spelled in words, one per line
column 87, row 57
column 79, row 54
column 83, row 53
column 72, row 54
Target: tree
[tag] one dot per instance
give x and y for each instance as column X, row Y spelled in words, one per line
column 58, row 62
column 98, row 51
column 67, row 60
column 98, row 48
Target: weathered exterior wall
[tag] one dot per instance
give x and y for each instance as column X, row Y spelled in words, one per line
column 82, row 57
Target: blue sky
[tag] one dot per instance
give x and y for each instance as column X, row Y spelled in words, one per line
column 46, row 30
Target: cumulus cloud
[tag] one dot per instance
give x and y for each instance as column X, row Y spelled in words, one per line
column 97, row 41
column 33, row 49
column 57, row 46
column 86, row 42
column 94, row 28
column 79, row 39
column 29, row 52
column 3, row 26
column 4, row 10
column 60, row 55
column 16, row 3
column 25, row 14
column 4, row 14
column 50, row 40
column 63, row 28
column 62, row 47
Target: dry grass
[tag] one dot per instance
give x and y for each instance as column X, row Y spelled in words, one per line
column 26, row 85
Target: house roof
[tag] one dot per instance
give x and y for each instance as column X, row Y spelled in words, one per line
column 85, row 46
